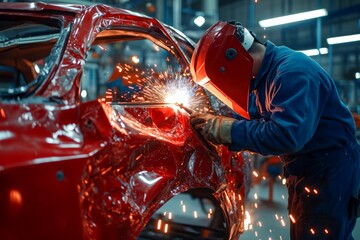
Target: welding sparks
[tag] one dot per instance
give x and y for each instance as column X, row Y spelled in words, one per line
column 135, row 59
column 282, row 222
column 247, row 220
column 158, row 225
column 184, row 208
column 151, row 85
column 258, row 203
column 174, row 88
column 292, row 219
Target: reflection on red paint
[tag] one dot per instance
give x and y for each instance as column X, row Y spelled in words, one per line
column 15, row 197
column 15, row 202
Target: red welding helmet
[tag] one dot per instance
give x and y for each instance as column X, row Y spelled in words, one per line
column 222, row 65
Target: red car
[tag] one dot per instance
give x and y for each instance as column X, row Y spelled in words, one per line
column 93, row 141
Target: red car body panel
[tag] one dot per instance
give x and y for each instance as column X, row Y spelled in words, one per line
column 73, row 170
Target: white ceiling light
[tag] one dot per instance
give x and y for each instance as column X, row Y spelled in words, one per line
column 83, row 93
column 314, row 52
column 293, row 18
column 199, row 21
column 343, row 39
column 357, row 75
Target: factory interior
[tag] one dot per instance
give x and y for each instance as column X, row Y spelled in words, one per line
column 329, row 34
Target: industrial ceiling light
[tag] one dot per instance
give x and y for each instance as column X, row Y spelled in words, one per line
column 357, row 75
column 293, row 18
column 199, row 21
column 315, row 52
column 343, row 39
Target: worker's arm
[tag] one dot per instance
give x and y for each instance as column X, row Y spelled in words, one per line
column 295, row 103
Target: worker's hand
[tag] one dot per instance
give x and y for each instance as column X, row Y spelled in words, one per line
column 216, row 129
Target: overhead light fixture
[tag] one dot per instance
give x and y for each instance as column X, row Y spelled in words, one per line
column 83, row 93
column 315, row 52
column 199, row 21
column 343, row 39
column 293, row 18
column 357, row 75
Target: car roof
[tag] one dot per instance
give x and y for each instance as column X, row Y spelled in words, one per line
column 39, row 6
column 56, row 9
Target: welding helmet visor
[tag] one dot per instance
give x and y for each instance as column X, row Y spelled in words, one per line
column 222, row 65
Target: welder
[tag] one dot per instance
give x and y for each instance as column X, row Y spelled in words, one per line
column 285, row 105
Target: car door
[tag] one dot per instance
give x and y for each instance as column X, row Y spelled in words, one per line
column 131, row 82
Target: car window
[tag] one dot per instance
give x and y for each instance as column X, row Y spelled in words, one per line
column 125, row 66
column 24, row 47
column 186, row 44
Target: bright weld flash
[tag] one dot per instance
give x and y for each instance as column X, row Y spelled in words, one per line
column 178, row 96
column 174, row 88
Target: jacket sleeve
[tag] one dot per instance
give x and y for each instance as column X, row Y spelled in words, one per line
column 295, row 103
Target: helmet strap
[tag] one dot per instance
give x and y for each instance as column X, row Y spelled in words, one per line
column 248, row 39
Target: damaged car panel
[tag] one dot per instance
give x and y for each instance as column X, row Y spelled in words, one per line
column 92, row 144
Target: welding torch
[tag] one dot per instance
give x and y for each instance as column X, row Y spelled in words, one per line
column 201, row 137
column 187, row 109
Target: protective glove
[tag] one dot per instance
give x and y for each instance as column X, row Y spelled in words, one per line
column 216, row 129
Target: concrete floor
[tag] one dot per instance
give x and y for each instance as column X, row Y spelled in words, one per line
column 269, row 220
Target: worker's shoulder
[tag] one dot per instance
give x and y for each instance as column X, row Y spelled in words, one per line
column 292, row 61
column 300, row 68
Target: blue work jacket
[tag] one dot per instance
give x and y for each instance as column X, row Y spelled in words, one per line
column 297, row 108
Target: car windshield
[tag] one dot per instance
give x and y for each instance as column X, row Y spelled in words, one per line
column 25, row 49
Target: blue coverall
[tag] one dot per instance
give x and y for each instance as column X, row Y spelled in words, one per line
column 300, row 117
